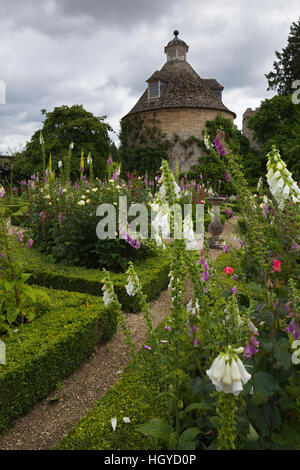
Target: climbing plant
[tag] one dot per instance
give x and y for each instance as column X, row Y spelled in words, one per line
column 143, row 145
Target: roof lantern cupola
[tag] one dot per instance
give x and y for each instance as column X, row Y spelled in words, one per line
column 176, row 49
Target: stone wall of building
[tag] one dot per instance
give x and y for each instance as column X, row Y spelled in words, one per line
column 248, row 132
column 183, row 122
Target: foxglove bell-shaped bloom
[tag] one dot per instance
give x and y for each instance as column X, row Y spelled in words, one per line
column 296, row 354
column 130, row 289
column 282, row 186
column 189, row 234
column 228, row 374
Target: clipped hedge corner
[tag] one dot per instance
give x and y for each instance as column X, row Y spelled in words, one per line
column 152, row 271
column 42, row 353
column 135, row 396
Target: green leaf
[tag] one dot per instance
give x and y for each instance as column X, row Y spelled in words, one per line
column 265, row 383
column 256, row 416
column 29, row 292
column 25, row 276
column 186, row 439
column 194, row 406
column 12, row 314
column 252, row 435
column 272, row 416
column 282, row 354
column 157, row 428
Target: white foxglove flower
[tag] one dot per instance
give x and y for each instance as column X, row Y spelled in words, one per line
column 280, row 181
column 41, row 139
column 228, row 374
column 192, row 309
column 71, row 146
column 189, row 234
column 130, row 288
column 107, row 298
column 59, row 164
column 126, row 420
column 163, row 191
column 113, row 423
column 296, row 354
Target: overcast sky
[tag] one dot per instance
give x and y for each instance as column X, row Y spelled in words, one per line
column 99, row 53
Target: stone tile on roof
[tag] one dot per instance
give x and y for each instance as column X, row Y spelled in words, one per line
column 184, row 88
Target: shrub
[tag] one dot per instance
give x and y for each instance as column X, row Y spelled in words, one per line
column 40, row 354
column 153, row 272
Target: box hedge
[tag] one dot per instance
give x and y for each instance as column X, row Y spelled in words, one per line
column 153, row 274
column 41, row 353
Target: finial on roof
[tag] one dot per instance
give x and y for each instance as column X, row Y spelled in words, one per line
column 176, row 32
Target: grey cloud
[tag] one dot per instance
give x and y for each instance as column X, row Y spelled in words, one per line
column 99, row 53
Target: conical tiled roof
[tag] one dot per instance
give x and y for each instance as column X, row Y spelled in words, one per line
column 183, row 89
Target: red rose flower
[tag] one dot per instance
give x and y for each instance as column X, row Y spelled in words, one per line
column 276, row 265
column 228, row 270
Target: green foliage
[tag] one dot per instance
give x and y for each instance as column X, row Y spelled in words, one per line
column 287, row 67
column 152, row 271
column 40, row 354
column 209, row 166
column 62, row 126
column 63, row 222
column 277, row 122
column 135, row 395
column 142, row 147
column 17, row 299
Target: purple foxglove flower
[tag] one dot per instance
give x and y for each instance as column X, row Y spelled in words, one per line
column 201, row 261
column 294, row 330
column 168, row 328
column 20, row 237
column 30, row 243
column 225, row 248
column 227, row 177
column 147, row 347
column 205, row 276
column 196, row 342
column 295, row 247
column 227, row 211
column 250, row 350
column 233, row 290
column 205, row 266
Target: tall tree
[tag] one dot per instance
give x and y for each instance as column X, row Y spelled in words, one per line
column 287, row 67
column 62, row 126
column 277, row 122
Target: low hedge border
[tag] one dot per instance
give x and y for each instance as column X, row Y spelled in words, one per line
column 134, row 395
column 153, row 274
column 41, row 353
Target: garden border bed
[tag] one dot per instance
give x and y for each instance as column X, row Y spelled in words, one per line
column 41, row 353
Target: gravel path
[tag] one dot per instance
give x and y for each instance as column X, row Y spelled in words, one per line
column 44, row 426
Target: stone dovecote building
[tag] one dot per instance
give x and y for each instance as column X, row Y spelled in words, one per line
column 182, row 102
